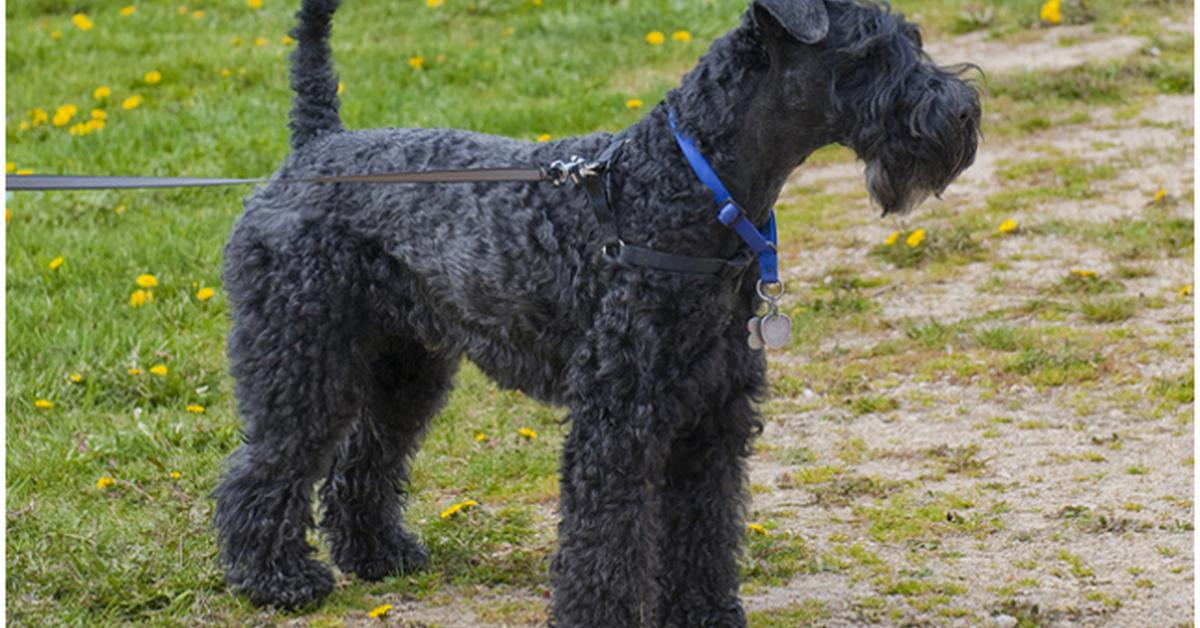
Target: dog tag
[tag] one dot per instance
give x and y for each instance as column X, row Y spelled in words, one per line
column 775, row 330
column 754, row 327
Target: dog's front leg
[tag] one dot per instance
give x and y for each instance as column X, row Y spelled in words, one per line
column 704, row 504
column 607, row 567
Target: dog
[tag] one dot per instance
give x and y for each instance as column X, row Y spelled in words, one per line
column 353, row 304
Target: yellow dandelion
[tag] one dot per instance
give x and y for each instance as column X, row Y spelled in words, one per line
column 1051, row 12
column 133, row 102
column 119, row 209
column 44, row 404
column 236, row 41
column 417, row 62
column 433, row 4
column 195, row 408
column 544, row 137
column 681, row 36
column 341, row 88
column 99, row 114
column 1008, row 226
column 480, row 437
column 39, row 116
column 56, row 262
column 226, row 72
column 75, row 377
column 63, row 115
column 892, row 238
column 104, row 482
column 175, row 475
column 527, row 433
column 1160, row 195
column 138, row 298
column 260, row 41
column 1083, row 273
column 287, row 40
column 254, row 4
column 182, row 10
column 78, row 129
column 457, row 508
column 655, row 38
column 915, row 238
column 82, row 22
column 198, row 14
column 153, row 77
column 128, row 11
column 135, row 371
column 95, row 124
column 22, row 172
column 159, row 370
column 633, row 103
column 22, row 126
column 7, row 215
column 380, row 611
column 56, row 35
column 757, row 527
column 1185, row 291
column 146, row 281
column 536, row 3
column 101, row 93
column 205, row 294
column 10, row 167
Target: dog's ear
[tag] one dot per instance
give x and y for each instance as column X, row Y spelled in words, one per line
column 806, row 21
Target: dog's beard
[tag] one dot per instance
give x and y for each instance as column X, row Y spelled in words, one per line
column 894, row 196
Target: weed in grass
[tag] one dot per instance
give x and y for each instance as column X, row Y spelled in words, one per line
column 1178, row 389
column 958, row 460
column 804, row 613
column 1003, row 338
column 1108, row 310
column 774, row 558
column 917, row 247
column 847, row 489
column 873, row 404
column 1046, row 367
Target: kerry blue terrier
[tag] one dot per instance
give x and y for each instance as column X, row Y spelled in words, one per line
column 354, row 303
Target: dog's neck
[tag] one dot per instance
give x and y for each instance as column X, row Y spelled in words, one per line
column 721, row 107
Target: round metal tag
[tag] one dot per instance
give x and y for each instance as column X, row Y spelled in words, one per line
column 776, row 330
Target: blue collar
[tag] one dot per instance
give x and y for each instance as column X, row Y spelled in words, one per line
column 761, row 241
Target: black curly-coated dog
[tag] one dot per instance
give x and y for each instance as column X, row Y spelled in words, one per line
column 354, row 303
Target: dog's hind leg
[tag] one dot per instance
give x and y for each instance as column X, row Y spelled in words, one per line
column 363, row 496
column 298, row 351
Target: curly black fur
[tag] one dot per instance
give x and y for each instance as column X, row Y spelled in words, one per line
column 353, row 305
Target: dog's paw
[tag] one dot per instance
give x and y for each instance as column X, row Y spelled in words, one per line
column 307, row 582
column 394, row 553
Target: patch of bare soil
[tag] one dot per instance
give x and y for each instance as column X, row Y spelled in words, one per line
column 1053, row 49
column 1077, row 499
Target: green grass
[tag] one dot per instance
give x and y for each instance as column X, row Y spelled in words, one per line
column 142, row 550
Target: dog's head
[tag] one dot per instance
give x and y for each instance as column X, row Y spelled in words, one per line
column 860, row 70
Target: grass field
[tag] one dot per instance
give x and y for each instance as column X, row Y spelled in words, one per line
column 1074, row 325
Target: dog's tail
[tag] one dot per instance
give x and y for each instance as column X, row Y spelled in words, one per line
column 315, row 105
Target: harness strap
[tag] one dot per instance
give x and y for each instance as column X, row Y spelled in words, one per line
column 760, row 240
column 598, row 189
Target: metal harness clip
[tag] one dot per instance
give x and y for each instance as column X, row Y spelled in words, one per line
column 574, row 170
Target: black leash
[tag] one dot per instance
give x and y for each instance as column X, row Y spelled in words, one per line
column 46, row 182
column 593, row 176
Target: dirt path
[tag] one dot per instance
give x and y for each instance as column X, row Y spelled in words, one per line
column 1064, row 505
